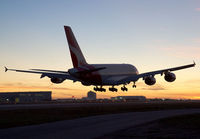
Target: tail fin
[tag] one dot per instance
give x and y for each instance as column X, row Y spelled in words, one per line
column 75, row 51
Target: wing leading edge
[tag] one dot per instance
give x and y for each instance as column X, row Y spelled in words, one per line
column 134, row 78
column 56, row 74
column 49, row 73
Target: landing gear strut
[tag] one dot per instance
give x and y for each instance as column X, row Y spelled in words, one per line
column 99, row 89
column 134, row 86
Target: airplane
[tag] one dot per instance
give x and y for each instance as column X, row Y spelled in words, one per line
column 100, row 75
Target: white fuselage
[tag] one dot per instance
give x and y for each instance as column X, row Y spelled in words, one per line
column 111, row 73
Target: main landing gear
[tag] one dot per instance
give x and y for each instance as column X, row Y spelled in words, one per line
column 99, row 89
column 113, row 89
column 124, row 88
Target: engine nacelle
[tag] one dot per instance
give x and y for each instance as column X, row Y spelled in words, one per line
column 150, row 80
column 170, row 77
column 57, row 80
column 85, row 83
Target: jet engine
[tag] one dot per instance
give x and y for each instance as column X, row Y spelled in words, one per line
column 57, row 80
column 150, row 80
column 85, row 83
column 170, row 77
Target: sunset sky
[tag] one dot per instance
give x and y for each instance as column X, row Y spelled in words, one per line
column 151, row 35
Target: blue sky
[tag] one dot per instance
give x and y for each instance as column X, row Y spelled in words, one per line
column 149, row 34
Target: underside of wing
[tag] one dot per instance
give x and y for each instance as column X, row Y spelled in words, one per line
column 149, row 76
column 54, row 71
column 55, row 76
column 165, row 70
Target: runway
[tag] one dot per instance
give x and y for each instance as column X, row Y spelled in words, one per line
column 89, row 127
column 63, row 105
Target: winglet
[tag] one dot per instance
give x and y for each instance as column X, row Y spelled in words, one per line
column 6, row 69
column 194, row 62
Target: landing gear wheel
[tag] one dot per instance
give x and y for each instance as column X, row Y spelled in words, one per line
column 134, row 86
column 112, row 89
column 102, row 89
column 124, row 88
column 95, row 88
column 99, row 89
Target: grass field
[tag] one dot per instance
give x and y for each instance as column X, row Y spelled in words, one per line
column 177, row 127
column 21, row 117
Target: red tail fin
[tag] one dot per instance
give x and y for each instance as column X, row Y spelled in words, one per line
column 75, row 51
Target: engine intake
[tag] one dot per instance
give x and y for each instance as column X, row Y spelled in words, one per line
column 57, row 80
column 170, row 77
column 150, row 80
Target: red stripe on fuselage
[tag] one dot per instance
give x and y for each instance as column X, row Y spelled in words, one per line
column 93, row 78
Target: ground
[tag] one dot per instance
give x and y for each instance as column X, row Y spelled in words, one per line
column 29, row 114
column 179, row 127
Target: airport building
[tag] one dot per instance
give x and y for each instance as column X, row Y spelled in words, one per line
column 25, row 97
column 129, row 98
column 90, row 96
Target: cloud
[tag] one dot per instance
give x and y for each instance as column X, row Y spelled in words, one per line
column 182, row 51
column 57, row 90
column 21, row 86
column 156, row 87
column 160, row 41
column 153, row 88
column 183, row 95
column 197, row 9
column 192, row 81
column 196, row 40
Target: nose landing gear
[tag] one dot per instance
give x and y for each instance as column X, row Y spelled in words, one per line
column 134, row 86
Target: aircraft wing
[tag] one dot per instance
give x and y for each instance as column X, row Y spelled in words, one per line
column 49, row 73
column 153, row 73
column 55, row 71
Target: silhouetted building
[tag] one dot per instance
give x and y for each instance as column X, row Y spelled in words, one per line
column 25, row 97
column 91, row 95
column 129, row 98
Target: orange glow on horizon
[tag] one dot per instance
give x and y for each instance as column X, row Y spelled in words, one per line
column 65, row 92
